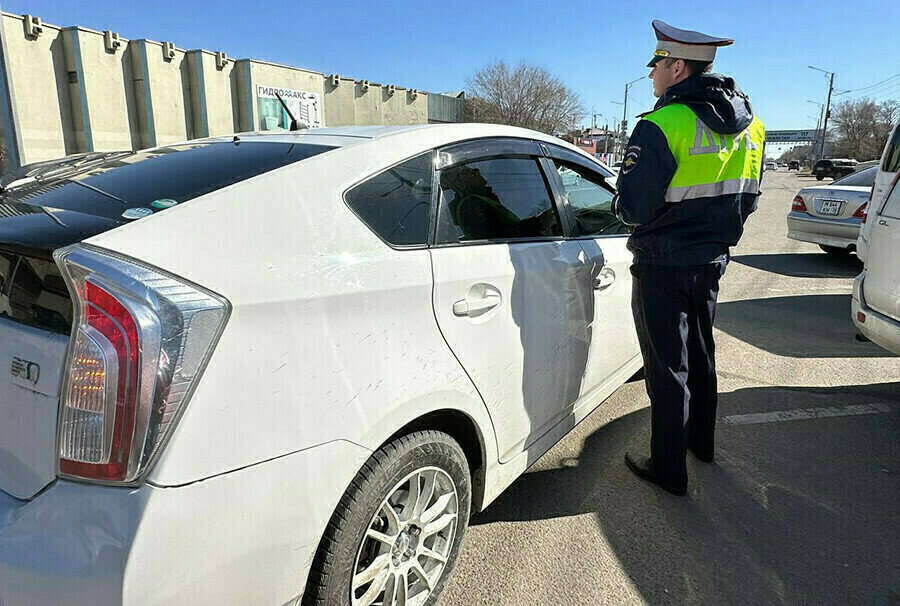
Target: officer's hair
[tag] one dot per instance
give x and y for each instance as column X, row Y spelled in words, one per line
column 693, row 67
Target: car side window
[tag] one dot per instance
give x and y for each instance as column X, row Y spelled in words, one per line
column 396, row 204
column 590, row 200
column 496, row 199
column 891, row 162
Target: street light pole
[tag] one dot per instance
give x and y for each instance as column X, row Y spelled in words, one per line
column 625, row 107
column 827, row 106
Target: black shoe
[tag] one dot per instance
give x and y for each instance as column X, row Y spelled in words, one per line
column 642, row 469
column 706, row 459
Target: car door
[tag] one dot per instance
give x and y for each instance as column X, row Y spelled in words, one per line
column 882, row 282
column 512, row 296
column 587, row 200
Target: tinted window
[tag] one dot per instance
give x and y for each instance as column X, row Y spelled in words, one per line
column 864, row 178
column 32, row 292
column 891, row 162
column 396, row 204
column 496, row 199
column 590, row 201
column 178, row 172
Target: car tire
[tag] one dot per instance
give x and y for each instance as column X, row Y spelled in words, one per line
column 837, row 251
column 433, row 461
column 819, row 177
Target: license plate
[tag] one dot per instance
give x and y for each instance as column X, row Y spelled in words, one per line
column 831, row 207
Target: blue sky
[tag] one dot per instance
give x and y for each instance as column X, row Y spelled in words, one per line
column 595, row 47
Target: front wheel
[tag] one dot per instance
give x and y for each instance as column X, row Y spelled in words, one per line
column 396, row 533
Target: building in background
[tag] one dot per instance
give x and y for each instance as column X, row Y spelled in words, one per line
column 65, row 90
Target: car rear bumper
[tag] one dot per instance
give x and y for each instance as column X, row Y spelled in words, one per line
column 247, row 537
column 878, row 328
column 828, row 232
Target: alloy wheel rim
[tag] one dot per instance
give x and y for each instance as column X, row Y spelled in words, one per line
column 405, row 550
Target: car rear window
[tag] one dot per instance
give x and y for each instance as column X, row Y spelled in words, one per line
column 863, row 178
column 179, row 173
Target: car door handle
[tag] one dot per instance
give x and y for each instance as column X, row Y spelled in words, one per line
column 607, row 278
column 476, row 307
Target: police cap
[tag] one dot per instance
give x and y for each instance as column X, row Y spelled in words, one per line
column 684, row 44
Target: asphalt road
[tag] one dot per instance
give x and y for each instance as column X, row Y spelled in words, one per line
column 799, row 508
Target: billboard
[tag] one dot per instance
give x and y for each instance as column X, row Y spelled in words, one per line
column 306, row 107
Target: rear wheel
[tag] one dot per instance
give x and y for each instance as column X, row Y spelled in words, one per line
column 835, row 250
column 396, row 533
column 819, row 177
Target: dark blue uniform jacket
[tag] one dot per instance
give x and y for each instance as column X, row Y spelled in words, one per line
column 695, row 231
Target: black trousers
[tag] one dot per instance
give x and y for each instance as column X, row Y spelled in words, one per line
column 674, row 310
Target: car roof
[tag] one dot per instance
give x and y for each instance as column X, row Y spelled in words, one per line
column 438, row 134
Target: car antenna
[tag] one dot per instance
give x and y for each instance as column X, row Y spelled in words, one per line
column 295, row 124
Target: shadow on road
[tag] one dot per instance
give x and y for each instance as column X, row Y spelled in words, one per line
column 804, row 265
column 801, row 326
column 808, row 521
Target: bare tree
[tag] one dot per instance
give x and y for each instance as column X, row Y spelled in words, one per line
column 862, row 127
column 524, row 95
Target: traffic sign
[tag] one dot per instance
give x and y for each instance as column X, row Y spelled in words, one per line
column 792, row 136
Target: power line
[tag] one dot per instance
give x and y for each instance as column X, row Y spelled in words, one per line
column 854, row 90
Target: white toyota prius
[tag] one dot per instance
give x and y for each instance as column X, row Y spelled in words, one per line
column 286, row 368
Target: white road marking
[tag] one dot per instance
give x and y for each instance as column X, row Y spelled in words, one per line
column 802, row 414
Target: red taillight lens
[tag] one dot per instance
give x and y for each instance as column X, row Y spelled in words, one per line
column 799, row 205
column 861, row 212
column 861, row 317
column 111, row 397
column 141, row 340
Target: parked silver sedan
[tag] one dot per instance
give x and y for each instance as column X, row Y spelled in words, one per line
column 830, row 215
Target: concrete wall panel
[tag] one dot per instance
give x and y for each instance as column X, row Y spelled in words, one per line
column 39, row 83
column 162, row 94
column 339, row 103
column 213, row 94
column 104, row 79
column 393, row 106
column 416, row 108
column 367, row 104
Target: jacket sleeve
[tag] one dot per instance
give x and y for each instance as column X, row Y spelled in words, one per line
column 646, row 171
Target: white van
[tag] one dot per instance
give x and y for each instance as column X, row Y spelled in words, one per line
column 876, row 291
column 890, row 165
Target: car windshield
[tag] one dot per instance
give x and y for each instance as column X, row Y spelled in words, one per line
column 863, row 178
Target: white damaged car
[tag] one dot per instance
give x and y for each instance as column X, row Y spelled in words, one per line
column 285, row 368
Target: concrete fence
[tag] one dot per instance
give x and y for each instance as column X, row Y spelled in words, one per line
column 73, row 89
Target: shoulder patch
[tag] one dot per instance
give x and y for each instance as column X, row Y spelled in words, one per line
column 632, row 155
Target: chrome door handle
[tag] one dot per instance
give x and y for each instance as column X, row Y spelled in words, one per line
column 476, row 307
column 607, row 278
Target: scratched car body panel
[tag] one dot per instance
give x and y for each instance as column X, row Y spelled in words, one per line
column 332, row 345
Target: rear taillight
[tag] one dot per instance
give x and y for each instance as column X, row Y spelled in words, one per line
column 140, row 340
column 799, row 205
column 861, row 212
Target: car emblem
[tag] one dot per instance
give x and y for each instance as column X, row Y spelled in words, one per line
column 24, row 369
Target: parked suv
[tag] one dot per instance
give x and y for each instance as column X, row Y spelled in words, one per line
column 888, row 168
column 876, row 297
column 834, row 168
column 794, row 165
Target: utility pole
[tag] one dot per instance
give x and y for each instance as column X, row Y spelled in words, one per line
column 827, row 107
column 818, row 129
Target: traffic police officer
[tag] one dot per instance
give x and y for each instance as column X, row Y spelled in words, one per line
column 689, row 179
